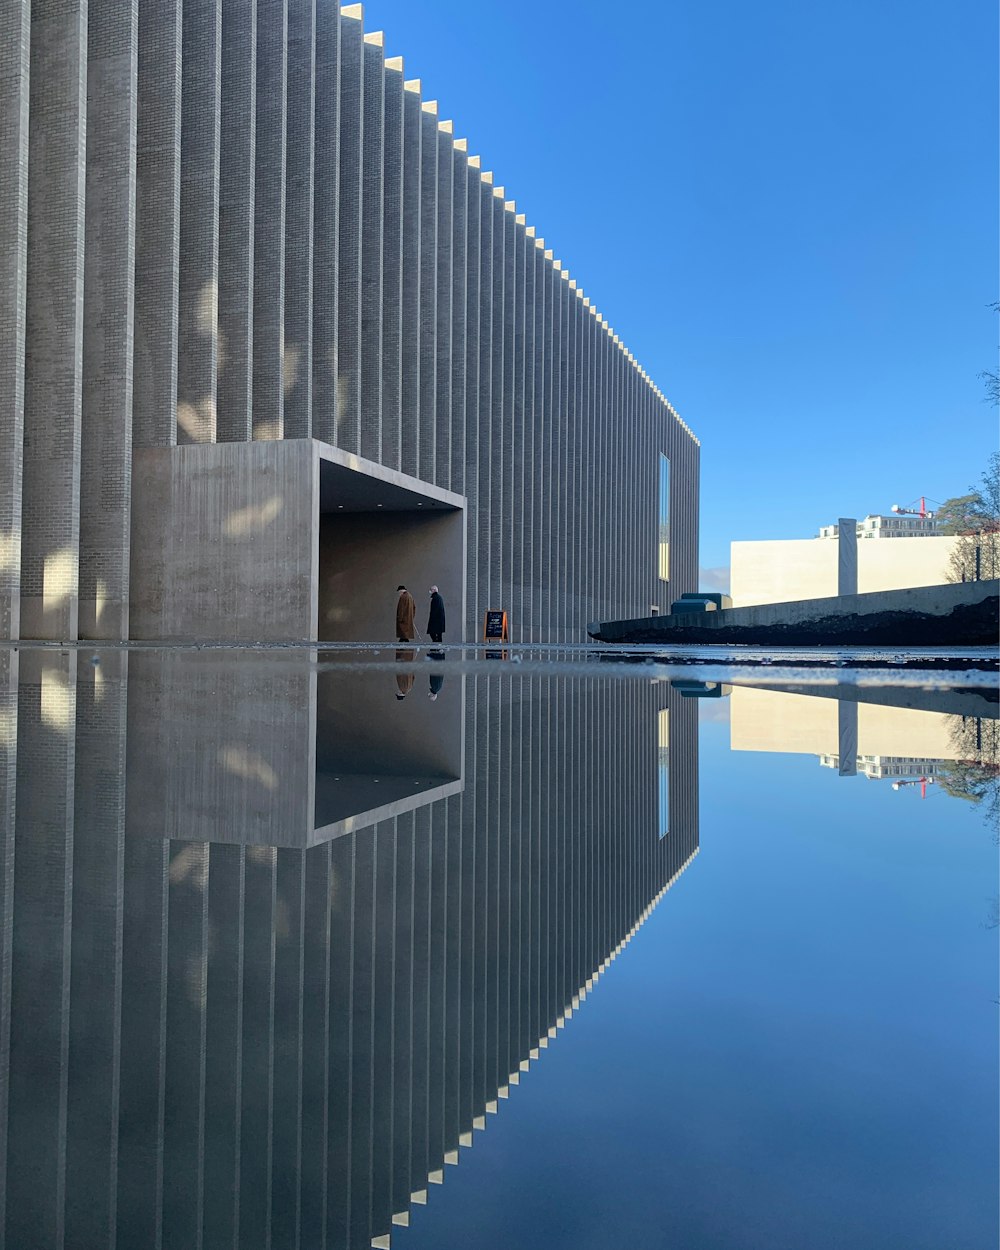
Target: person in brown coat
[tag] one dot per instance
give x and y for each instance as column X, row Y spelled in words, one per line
column 406, row 611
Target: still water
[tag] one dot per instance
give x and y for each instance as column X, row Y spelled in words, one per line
column 327, row 950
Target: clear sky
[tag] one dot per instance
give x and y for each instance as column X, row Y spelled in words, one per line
column 797, row 1050
column 788, row 211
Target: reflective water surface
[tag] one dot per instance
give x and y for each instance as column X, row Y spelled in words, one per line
column 327, row 950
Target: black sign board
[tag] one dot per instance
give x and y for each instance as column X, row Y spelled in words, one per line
column 495, row 626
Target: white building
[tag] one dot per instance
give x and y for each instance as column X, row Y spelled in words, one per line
column 888, row 527
column 784, row 570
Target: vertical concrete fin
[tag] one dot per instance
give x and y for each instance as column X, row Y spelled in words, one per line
column 410, row 281
column 157, row 225
column 326, row 223
column 847, row 556
column 14, row 91
column 198, row 298
column 53, row 373
column 237, row 207
column 372, row 224
column 392, row 262
column 269, row 221
column 348, row 429
column 108, row 321
column 426, row 440
column 443, row 296
column 300, row 125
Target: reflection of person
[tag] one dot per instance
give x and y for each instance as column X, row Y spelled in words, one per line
column 435, row 681
column 404, row 681
column 435, row 621
column 406, row 611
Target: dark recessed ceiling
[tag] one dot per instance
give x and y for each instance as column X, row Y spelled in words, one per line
column 344, row 489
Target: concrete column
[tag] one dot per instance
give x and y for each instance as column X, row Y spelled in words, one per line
column 257, row 1054
column 467, row 1105
column 198, row 295
column 224, row 1043
column 484, row 514
column 510, row 295
column 521, row 494
column 847, row 738
column 452, row 921
column 93, row 1078
column 339, row 1105
column 410, row 346
column 536, row 263
column 847, row 556
column 268, row 412
column 495, row 430
column 15, row 41
column 326, row 172
column 392, row 266
column 437, row 1147
column 40, row 964
column 459, row 279
column 557, row 455
column 404, row 1183
column 237, row 169
column 9, row 672
column 420, row 1006
column 349, row 230
column 361, row 1030
column 443, row 309
column 286, row 1167
column 426, row 437
column 548, row 405
column 143, row 1041
column 470, row 482
column 157, row 224
column 53, row 376
column 108, row 309
column 184, row 1052
column 372, row 202
column 317, row 955
column 383, row 957
column 299, row 191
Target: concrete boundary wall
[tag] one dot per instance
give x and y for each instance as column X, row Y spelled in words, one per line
column 267, row 231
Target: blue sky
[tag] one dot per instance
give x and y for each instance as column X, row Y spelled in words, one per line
column 797, row 1050
column 788, row 212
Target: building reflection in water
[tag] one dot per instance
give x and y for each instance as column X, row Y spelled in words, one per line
column 908, row 736
column 276, row 943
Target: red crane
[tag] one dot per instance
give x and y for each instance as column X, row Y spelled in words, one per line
column 922, row 782
column 914, row 510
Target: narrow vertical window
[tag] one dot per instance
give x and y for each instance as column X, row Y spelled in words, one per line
column 664, row 519
column 663, row 772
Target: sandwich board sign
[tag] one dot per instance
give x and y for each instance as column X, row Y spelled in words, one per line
column 495, row 629
column 495, row 626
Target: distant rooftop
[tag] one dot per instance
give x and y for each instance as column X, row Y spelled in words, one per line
column 875, row 525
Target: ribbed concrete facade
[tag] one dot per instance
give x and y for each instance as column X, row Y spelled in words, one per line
column 214, row 1044
column 235, row 220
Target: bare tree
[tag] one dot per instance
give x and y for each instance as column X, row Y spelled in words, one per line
column 975, row 774
column 976, row 519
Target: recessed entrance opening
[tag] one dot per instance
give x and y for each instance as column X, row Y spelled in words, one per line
column 378, row 530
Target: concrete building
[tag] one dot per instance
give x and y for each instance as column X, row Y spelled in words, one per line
column 875, row 739
column 785, row 570
column 879, row 526
column 287, row 1037
column 273, row 341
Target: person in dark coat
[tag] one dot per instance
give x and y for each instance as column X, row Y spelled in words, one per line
column 435, row 620
column 406, row 611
